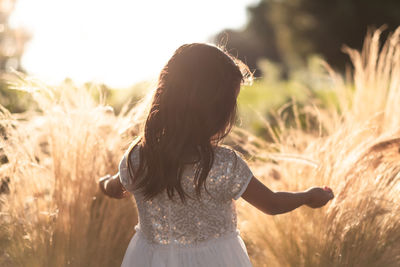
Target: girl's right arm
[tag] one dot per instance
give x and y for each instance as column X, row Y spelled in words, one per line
column 269, row 202
column 112, row 187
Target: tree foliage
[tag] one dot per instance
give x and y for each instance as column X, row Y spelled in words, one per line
column 289, row 32
column 12, row 45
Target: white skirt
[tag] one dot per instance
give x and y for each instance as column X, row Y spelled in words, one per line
column 224, row 251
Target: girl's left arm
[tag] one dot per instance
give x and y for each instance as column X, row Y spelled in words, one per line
column 112, row 187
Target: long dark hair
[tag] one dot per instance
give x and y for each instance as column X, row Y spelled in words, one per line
column 193, row 108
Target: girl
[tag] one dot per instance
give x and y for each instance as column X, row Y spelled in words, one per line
column 183, row 182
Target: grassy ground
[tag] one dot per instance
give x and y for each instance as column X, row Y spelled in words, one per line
column 54, row 215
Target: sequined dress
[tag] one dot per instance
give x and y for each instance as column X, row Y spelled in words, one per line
column 199, row 233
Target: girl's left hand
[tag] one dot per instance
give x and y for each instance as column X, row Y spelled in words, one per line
column 318, row 197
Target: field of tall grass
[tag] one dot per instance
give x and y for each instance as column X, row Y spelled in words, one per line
column 52, row 213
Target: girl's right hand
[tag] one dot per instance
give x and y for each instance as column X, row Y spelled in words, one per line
column 318, row 197
column 102, row 182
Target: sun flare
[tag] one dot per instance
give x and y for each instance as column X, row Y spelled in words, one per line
column 116, row 42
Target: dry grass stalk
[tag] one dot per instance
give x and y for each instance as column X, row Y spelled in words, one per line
column 55, row 216
column 360, row 227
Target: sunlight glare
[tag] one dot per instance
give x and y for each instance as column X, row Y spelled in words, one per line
column 116, row 42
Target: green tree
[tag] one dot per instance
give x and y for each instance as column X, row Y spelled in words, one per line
column 289, row 31
column 12, row 45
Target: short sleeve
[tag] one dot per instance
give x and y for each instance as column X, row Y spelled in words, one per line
column 124, row 174
column 240, row 176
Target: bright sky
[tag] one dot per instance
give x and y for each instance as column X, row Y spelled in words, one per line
column 117, row 42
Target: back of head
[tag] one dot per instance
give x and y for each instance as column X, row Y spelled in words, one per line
column 193, row 108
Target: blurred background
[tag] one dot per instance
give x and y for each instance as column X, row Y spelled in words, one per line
column 73, row 73
column 124, row 44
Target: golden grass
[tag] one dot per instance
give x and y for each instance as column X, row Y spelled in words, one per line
column 56, row 216
column 359, row 158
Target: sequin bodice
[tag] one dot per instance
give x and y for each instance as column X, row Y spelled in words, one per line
column 165, row 221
